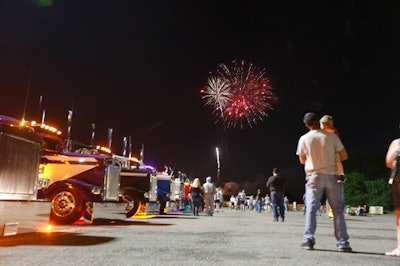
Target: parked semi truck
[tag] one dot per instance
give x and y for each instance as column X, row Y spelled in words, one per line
column 138, row 181
column 66, row 162
column 20, row 210
column 82, row 183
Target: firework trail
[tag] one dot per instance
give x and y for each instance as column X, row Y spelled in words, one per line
column 239, row 94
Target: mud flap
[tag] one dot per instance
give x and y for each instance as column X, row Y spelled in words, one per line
column 152, row 208
column 106, row 211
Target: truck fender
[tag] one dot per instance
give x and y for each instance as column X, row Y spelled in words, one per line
column 83, row 191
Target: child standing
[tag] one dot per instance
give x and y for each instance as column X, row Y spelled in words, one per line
column 326, row 123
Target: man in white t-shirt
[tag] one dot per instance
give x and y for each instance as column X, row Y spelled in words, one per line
column 209, row 191
column 317, row 150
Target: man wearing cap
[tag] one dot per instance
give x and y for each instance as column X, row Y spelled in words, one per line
column 316, row 150
column 276, row 185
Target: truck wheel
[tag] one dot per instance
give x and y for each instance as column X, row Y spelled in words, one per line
column 132, row 205
column 67, row 206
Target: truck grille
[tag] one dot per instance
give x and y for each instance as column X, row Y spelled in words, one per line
column 19, row 166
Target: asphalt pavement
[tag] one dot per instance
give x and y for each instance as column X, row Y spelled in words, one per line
column 230, row 237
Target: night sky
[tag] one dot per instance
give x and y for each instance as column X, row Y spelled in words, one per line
column 138, row 67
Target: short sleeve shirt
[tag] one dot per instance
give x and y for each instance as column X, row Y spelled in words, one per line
column 320, row 148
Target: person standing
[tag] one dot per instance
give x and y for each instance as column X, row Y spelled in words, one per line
column 276, row 185
column 219, row 200
column 294, row 206
column 286, row 203
column 316, row 151
column 242, row 200
column 259, row 201
column 393, row 162
column 196, row 196
column 209, row 191
column 233, row 202
column 267, row 203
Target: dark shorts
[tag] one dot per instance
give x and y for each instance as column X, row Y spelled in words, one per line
column 396, row 194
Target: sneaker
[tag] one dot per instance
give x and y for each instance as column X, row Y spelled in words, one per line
column 345, row 249
column 309, row 245
column 395, row 252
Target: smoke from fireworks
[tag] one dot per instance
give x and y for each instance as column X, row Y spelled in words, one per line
column 239, row 94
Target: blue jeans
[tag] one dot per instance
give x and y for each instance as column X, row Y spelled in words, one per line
column 259, row 206
column 316, row 185
column 278, row 209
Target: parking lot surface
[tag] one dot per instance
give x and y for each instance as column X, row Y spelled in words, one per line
column 230, row 237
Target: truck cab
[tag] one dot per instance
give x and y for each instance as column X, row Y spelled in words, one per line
column 76, row 180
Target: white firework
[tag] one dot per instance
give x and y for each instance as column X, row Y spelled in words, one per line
column 217, row 94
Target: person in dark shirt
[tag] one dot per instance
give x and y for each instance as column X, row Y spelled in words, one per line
column 196, row 196
column 276, row 185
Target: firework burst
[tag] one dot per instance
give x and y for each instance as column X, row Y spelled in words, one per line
column 217, row 94
column 239, row 94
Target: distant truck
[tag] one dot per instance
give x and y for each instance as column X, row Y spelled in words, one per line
column 171, row 193
column 20, row 210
